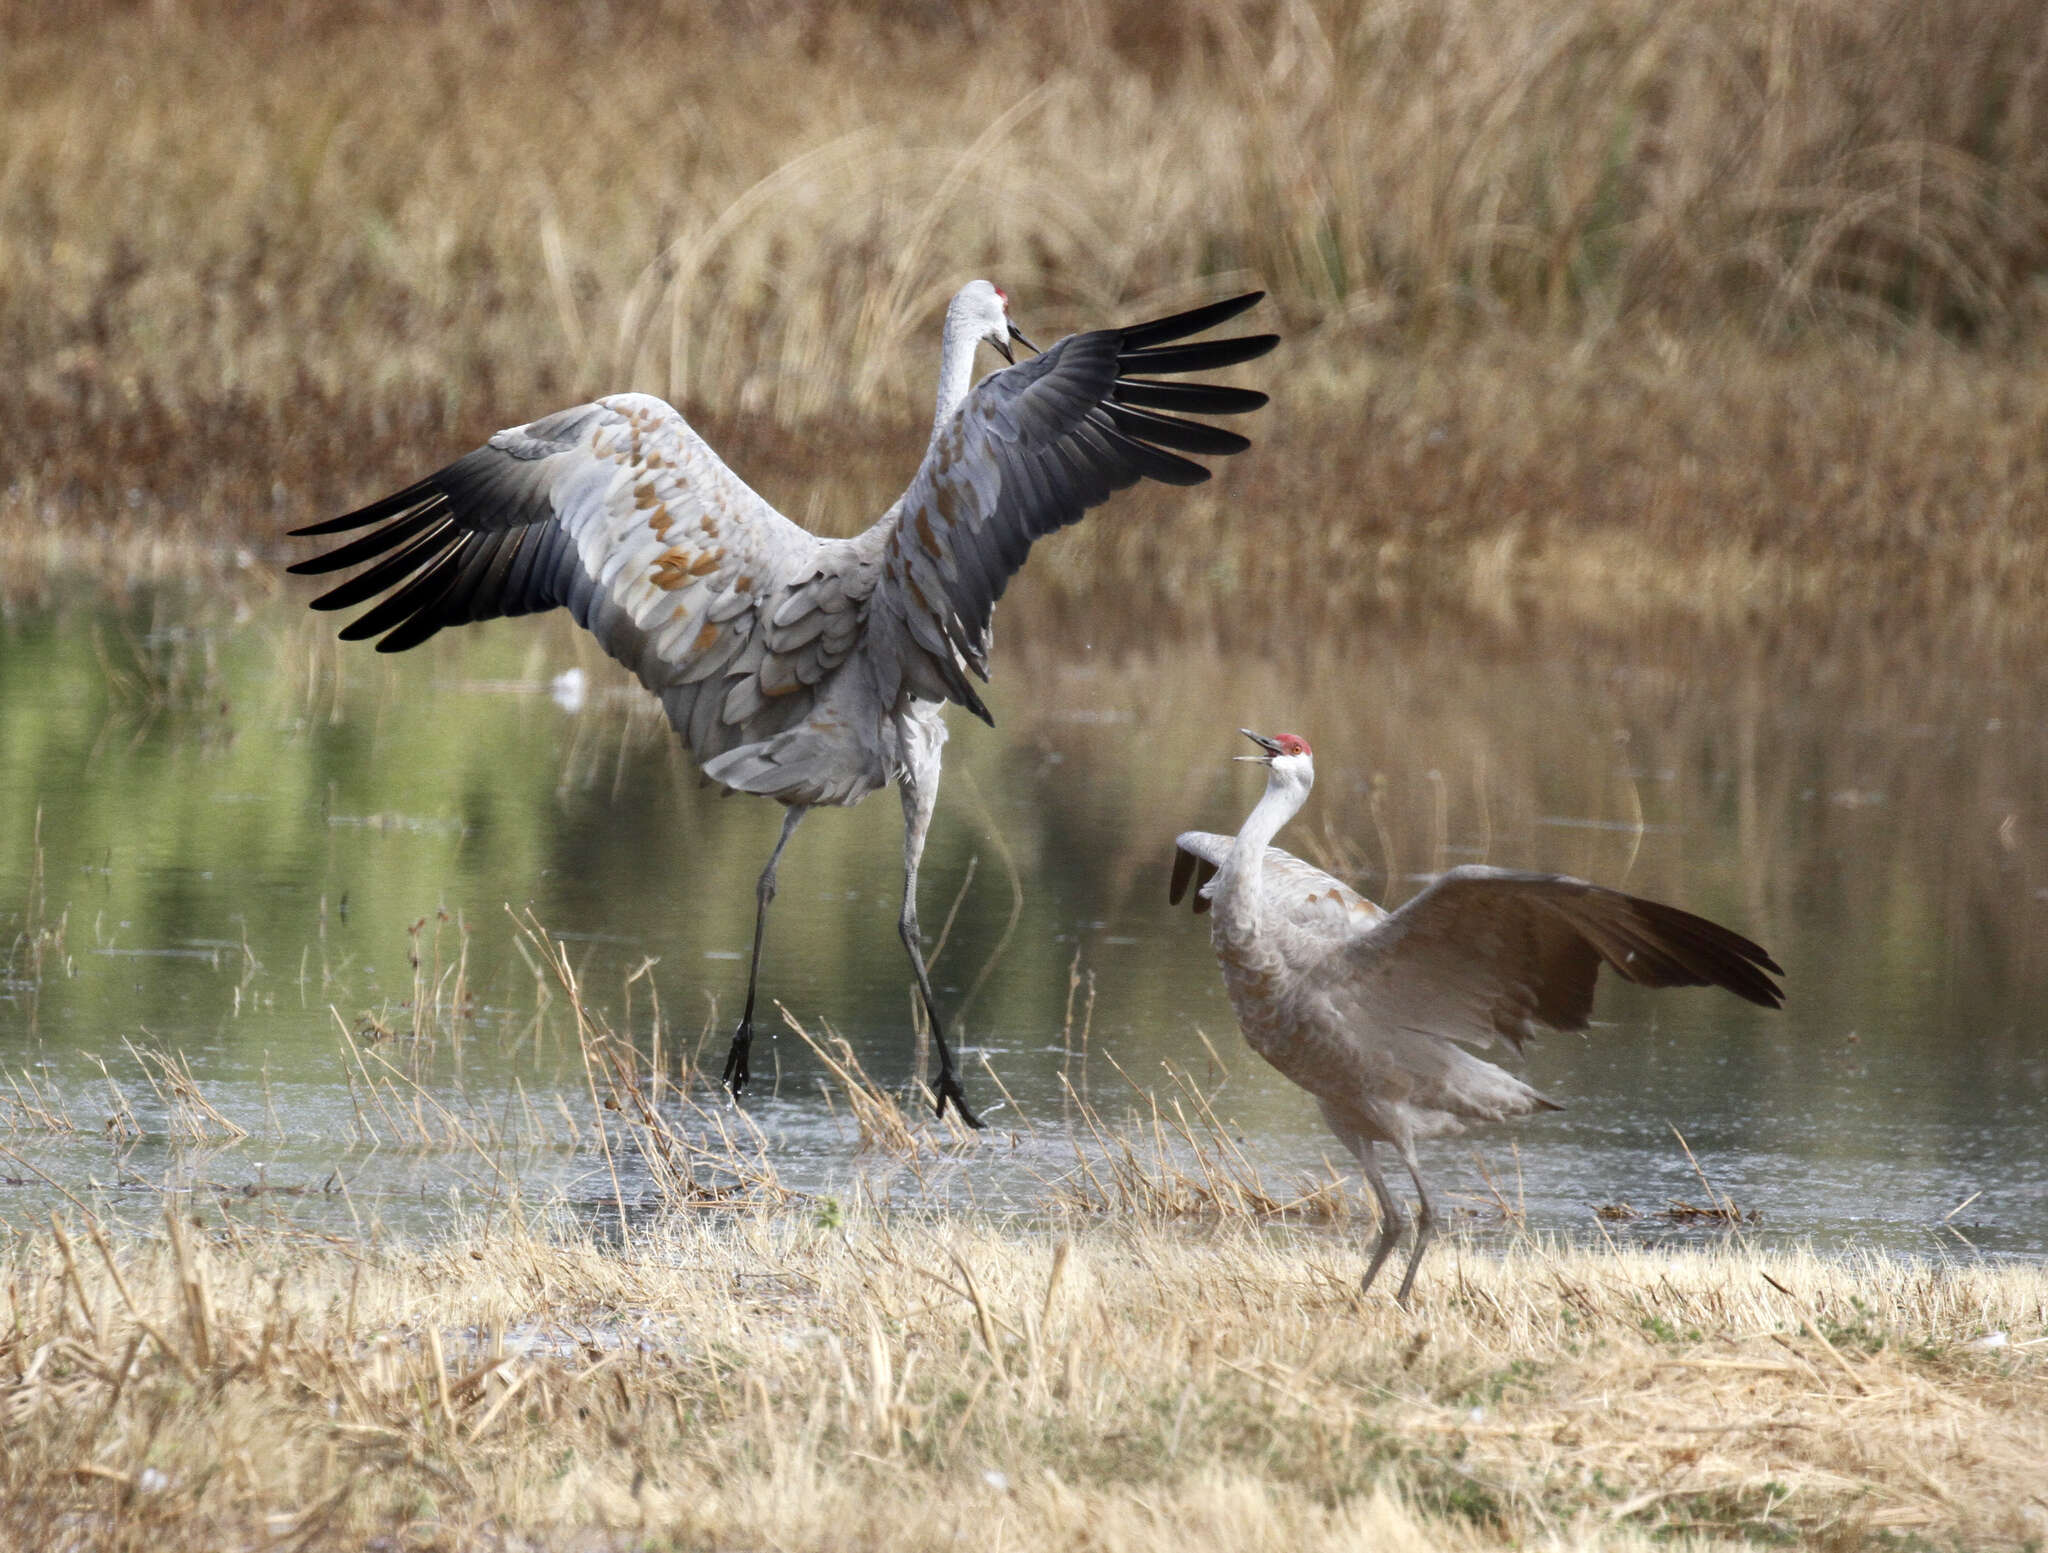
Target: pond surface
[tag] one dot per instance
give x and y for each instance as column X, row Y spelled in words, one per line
column 224, row 837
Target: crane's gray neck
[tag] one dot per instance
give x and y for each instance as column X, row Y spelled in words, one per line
column 956, row 368
column 1240, row 889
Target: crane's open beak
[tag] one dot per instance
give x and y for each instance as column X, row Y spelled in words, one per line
column 1270, row 746
column 1003, row 345
column 1018, row 335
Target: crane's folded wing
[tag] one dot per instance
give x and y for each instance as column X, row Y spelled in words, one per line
column 1299, row 898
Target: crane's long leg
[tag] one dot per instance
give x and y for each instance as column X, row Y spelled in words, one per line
column 1425, row 1220
column 1392, row 1220
column 920, row 795
column 736, row 1070
column 921, row 735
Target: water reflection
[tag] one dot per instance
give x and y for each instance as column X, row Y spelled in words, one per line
column 242, row 823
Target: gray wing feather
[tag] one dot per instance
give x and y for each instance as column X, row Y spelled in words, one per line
column 1485, row 952
column 1030, row 451
column 621, row 513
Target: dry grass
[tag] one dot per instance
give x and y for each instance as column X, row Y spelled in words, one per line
column 1627, row 485
column 1166, row 1354
column 1540, row 269
column 774, row 1378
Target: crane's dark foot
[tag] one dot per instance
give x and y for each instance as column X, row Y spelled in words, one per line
column 948, row 1091
column 737, row 1072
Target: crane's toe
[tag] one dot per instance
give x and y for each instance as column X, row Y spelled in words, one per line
column 948, row 1091
column 737, row 1068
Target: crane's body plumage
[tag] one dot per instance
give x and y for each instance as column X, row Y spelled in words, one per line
column 804, row 669
column 1377, row 1014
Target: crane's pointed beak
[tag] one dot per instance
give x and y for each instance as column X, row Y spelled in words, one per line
column 1003, row 349
column 1270, row 746
column 1019, row 336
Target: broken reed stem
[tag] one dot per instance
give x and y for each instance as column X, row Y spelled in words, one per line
column 44, row 1110
column 984, row 1322
column 1813, row 1330
column 878, row 1119
column 98, row 1233
column 604, row 1133
column 191, row 1283
column 1719, row 1205
column 75, row 1282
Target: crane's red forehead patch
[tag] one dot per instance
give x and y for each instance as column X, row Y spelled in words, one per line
column 1002, row 296
column 1293, row 744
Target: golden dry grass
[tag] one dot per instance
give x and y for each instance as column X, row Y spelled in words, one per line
column 1151, row 1361
column 1166, row 1355
column 1609, row 305
column 845, row 1380
column 1613, row 487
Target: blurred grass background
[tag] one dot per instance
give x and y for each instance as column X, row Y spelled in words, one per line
column 1600, row 307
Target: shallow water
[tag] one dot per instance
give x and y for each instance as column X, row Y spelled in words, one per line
column 242, row 820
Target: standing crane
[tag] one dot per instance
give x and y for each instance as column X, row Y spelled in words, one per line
column 808, row 670
column 1370, row 1011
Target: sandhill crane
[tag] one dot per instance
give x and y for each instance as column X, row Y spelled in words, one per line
column 811, row 671
column 1366, row 1009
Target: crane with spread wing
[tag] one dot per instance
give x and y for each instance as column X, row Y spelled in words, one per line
column 805, row 669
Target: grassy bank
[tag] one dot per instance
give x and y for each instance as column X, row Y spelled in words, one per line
column 836, row 1379
column 1170, row 1351
column 1615, row 306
